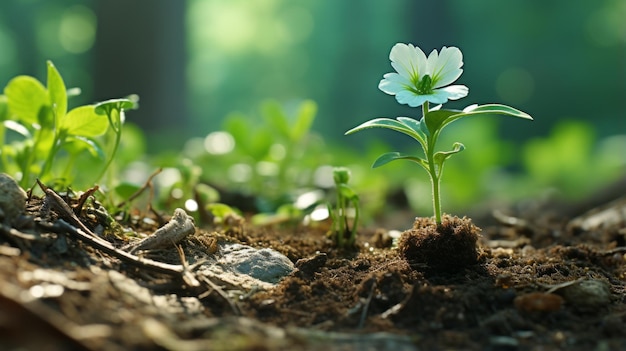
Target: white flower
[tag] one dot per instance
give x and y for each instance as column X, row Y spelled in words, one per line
column 420, row 79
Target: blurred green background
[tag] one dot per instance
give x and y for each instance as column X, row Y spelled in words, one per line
column 195, row 62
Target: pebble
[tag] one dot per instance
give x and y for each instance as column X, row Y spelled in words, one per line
column 12, row 199
column 265, row 264
column 538, row 302
column 587, row 295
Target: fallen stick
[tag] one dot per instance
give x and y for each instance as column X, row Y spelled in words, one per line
column 174, row 270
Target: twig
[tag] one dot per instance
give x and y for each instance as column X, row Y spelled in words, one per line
column 86, row 235
column 83, row 198
column 146, row 185
column 367, row 305
column 53, row 199
column 177, row 271
column 233, row 306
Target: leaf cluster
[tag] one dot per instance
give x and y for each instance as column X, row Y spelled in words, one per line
column 37, row 130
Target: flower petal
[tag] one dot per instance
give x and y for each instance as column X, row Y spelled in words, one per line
column 392, row 83
column 410, row 98
column 455, row 92
column 437, row 97
column 408, row 60
column 445, row 67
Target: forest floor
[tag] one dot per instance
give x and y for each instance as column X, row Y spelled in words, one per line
column 545, row 280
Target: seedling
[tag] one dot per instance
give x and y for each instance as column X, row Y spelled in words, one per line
column 342, row 232
column 114, row 110
column 419, row 80
column 39, row 115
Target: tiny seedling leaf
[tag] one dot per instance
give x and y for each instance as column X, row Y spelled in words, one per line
column 103, row 108
column 441, row 156
column 347, row 192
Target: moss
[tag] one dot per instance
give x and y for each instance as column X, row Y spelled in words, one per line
column 449, row 246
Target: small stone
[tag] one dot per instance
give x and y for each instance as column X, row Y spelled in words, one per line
column 587, row 295
column 538, row 302
column 265, row 264
column 12, row 199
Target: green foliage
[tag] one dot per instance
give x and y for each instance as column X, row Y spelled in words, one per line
column 48, row 140
column 426, row 132
column 567, row 160
column 273, row 159
column 344, row 234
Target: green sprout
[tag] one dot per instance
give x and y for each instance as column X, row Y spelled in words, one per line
column 114, row 110
column 343, row 234
column 417, row 81
column 38, row 115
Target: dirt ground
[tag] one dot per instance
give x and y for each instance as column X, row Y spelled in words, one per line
column 548, row 277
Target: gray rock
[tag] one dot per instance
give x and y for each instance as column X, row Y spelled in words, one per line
column 263, row 264
column 587, row 295
column 240, row 267
column 12, row 199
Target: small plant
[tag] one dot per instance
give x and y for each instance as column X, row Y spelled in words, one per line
column 344, row 234
column 419, row 80
column 39, row 115
column 114, row 110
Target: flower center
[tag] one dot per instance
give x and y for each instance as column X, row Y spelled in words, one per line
column 425, row 85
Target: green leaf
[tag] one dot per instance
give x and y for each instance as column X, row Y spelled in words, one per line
column 254, row 142
column 25, row 97
column 392, row 124
column 276, row 118
column 441, row 156
column 76, row 144
column 347, row 192
column 103, row 108
column 417, row 126
column 341, row 175
column 57, row 91
column 220, row 210
column 392, row 156
column 304, row 120
column 437, row 120
column 126, row 189
column 207, row 193
column 84, row 121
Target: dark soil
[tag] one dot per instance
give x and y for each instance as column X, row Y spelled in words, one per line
column 537, row 279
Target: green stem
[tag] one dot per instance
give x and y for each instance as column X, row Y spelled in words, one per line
column 341, row 217
column 435, row 181
column 117, row 128
column 432, row 170
column 355, row 204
